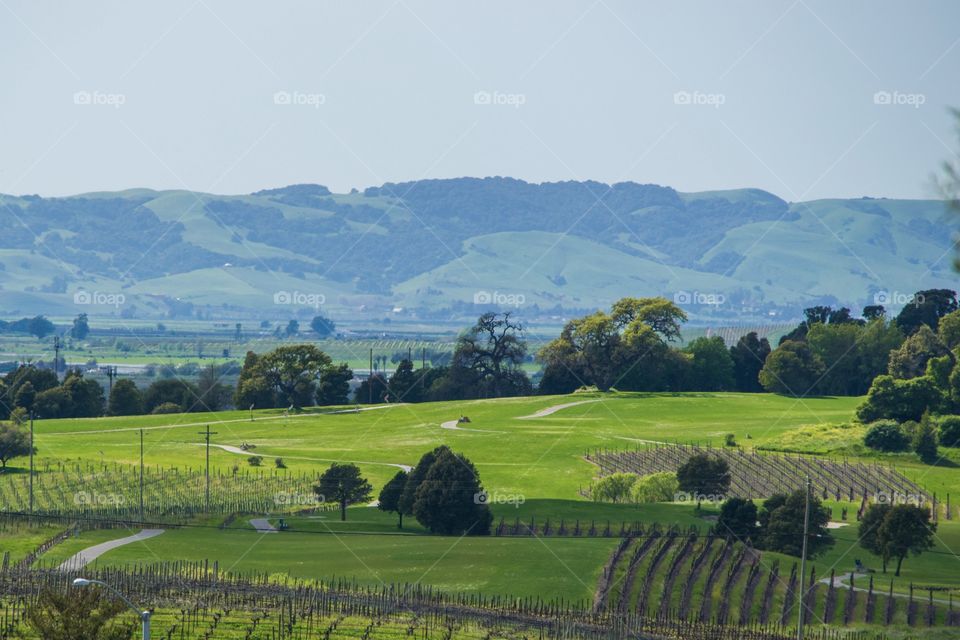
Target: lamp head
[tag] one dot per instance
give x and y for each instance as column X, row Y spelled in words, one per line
column 81, row 582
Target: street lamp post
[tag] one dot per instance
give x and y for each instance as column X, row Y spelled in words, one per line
column 144, row 615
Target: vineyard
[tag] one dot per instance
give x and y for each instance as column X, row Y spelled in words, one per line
column 680, row 575
column 198, row 601
column 112, row 491
column 760, row 475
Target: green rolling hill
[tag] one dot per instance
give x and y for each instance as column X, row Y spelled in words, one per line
column 446, row 249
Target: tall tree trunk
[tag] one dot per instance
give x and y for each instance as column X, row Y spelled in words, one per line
column 343, row 511
column 899, row 562
column 400, row 524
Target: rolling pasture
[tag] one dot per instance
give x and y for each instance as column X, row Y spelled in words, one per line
column 548, row 542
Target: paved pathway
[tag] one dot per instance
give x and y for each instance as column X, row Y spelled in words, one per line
column 454, row 425
column 88, row 555
column 262, row 525
column 557, row 407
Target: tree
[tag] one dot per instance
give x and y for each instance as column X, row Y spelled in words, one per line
column 323, row 327
column 26, row 396
column 80, row 328
column 41, row 327
column 212, row 395
column 910, row 360
column 924, row 441
column 404, row 383
column 949, row 435
column 53, row 403
column 712, row 367
column 494, row 350
column 616, row 487
column 14, row 443
column 869, row 531
column 659, row 314
column 704, row 476
column 905, row 530
column 373, row 390
column 86, row 395
column 927, row 308
column 343, row 484
column 253, row 389
column 78, row 614
column 293, row 328
column 416, row 477
column 899, row 400
column 125, row 399
column 886, row 435
column 334, row 385
column 791, row 369
column 748, row 356
column 949, row 330
column 451, row 500
column 656, row 487
column 175, row 391
column 783, row 532
column 293, row 371
column 389, row 499
column 835, row 345
column 738, row 519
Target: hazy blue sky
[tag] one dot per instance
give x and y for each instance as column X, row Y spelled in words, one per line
column 232, row 97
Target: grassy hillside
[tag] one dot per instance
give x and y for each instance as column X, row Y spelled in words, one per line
column 426, row 248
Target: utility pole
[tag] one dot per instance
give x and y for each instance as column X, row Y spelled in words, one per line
column 142, row 518
column 31, row 462
column 370, row 380
column 207, row 435
column 111, row 374
column 803, row 560
column 56, row 356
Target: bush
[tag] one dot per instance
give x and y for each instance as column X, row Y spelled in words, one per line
column 656, row 487
column 950, row 431
column 616, row 487
column 886, row 436
column 255, row 461
column 729, row 440
column 167, row 407
column 280, row 464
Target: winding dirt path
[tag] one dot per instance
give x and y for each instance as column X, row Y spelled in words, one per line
column 557, row 407
column 88, row 555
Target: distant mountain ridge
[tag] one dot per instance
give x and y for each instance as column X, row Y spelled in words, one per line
column 434, row 248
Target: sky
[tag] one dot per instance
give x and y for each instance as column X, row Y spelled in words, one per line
column 805, row 99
